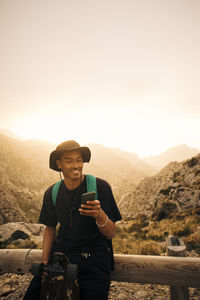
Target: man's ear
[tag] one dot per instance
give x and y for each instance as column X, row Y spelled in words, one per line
column 58, row 164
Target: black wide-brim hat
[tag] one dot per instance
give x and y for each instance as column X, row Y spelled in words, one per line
column 68, row 146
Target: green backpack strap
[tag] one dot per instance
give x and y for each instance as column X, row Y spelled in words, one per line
column 91, row 184
column 54, row 192
column 91, row 187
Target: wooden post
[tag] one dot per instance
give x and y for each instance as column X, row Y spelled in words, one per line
column 176, row 247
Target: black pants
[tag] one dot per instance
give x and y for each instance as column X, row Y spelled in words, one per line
column 93, row 276
column 33, row 291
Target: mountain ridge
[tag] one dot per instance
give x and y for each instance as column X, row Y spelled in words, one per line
column 177, row 153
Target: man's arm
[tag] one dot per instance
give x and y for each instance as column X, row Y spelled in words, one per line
column 105, row 225
column 48, row 239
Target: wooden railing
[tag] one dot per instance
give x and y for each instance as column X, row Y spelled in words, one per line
column 177, row 272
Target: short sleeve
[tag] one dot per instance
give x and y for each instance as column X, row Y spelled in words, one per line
column 107, row 200
column 48, row 215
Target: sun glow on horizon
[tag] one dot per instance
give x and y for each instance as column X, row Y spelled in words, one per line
column 82, row 76
column 141, row 130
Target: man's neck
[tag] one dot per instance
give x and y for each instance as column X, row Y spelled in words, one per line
column 73, row 184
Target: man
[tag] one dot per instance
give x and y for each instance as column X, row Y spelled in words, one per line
column 85, row 229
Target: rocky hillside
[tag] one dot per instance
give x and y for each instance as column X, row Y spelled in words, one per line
column 24, row 174
column 159, row 206
column 175, row 188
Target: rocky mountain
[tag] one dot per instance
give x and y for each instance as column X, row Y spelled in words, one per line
column 175, row 188
column 25, row 174
column 178, row 153
column 166, row 204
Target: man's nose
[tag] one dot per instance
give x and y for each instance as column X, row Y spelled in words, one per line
column 75, row 164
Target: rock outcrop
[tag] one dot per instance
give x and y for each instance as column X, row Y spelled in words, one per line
column 21, row 235
column 175, row 188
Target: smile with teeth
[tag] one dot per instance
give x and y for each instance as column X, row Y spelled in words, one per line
column 76, row 172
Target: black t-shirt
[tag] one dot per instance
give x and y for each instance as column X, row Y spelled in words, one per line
column 77, row 231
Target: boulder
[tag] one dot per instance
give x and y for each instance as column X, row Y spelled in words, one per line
column 21, row 235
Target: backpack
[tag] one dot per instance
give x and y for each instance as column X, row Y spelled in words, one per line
column 91, row 187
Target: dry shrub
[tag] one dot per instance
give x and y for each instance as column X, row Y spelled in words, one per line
column 193, row 242
column 138, row 247
column 181, row 229
column 150, row 248
column 165, row 210
column 138, row 223
column 146, row 237
column 155, row 235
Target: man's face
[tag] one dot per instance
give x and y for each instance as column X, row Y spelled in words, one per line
column 71, row 164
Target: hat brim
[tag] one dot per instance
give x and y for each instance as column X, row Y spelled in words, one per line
column 54, row 156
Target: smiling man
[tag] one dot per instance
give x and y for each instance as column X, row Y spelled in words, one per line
column 85, row 230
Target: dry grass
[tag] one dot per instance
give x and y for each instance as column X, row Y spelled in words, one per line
column 147, row 237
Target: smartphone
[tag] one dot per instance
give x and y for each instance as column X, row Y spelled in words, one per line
column 90, row 196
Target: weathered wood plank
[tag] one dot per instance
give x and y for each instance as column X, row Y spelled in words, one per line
column 18, row 260
column 164, row 270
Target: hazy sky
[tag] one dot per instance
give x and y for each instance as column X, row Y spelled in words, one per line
column 123, row 73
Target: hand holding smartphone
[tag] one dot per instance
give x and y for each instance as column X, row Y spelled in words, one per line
column 89, row 209
column 90, row 196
